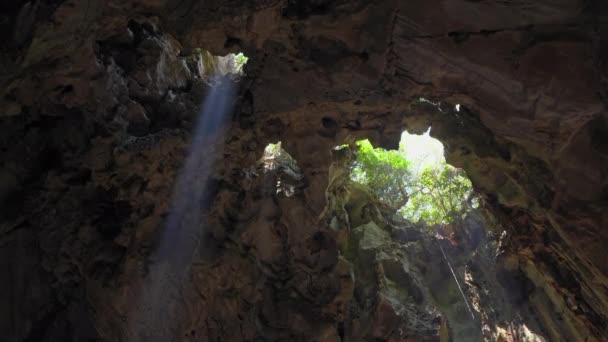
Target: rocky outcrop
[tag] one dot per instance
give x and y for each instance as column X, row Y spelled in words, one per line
column 414, row 281
column 99, row 100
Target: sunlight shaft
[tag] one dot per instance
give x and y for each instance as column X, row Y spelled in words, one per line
column 154, row 310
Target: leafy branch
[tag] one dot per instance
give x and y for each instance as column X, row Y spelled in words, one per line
column 439, row 194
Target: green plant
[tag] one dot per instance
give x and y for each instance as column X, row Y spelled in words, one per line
column 436, row 193
column 386, row 173
column 240, row 60
column 439, row 195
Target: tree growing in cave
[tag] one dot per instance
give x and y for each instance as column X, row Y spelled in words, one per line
column 430, row 193
column 439, row 195
column 386, row 173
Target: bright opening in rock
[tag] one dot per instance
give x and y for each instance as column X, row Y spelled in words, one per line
column 139, row 202
column 210, row 66
column 277, row 162
column 415, row 180
column 408, row 223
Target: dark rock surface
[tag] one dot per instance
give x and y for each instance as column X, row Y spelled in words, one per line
column 99, row 100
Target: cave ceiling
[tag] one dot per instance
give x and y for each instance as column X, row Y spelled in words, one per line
column 99, row 100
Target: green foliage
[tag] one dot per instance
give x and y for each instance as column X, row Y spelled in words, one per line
column 385, row 172
column 240, row 60
column 273, row 150
column 214, row 66
column 437, row 194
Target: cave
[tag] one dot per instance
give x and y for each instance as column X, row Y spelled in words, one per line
column 175, row 170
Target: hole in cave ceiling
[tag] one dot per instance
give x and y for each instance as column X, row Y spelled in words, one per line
column 419, row 218
column 277, row 161
column 211, row 66
column 415, row 180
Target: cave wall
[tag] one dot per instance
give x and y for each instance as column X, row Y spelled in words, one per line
column 99, row 100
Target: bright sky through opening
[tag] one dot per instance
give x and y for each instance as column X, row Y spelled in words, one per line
column 422, row 150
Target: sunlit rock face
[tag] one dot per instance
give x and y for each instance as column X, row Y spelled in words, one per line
column 99, row 100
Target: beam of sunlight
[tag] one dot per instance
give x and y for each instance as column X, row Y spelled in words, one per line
column 152, row 315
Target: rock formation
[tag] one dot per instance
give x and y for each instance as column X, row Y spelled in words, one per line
column 99, row 101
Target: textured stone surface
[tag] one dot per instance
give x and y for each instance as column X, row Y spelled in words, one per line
column 99, row 99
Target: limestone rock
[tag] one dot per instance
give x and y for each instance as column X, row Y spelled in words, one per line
column 100, row 100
